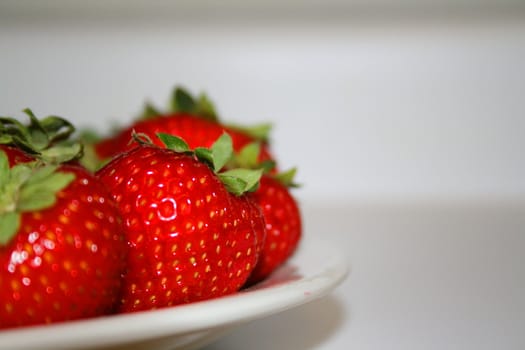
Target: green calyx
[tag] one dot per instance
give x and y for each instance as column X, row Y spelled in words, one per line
column 287, row 177
column 90, row 159
column 236, row 180
column 46, row 138
column 258, row 132
column 26, row 187
column 183, row 102
column 248, row 157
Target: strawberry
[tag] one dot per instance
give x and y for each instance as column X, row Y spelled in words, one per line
column 283, row 226
column 62, row 248
column 280, row 211
column 194, row 120
column 190, row 238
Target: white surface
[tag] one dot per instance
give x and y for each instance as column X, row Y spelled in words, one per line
column 317, row 269
column 427, row 276
column 411, row 107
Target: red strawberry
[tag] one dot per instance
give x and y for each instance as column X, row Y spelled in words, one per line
column 190, row 239
column 61, row 254
column 62, row 248
column 283, row 226
column 193, row 120
column 280, row 211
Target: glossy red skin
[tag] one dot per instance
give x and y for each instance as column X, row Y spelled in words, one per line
column 188, row 240
column 66, row 262
column 257, row 221
column 196, row 131
column 283, row 226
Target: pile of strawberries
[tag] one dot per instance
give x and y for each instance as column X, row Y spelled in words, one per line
column 176, row 207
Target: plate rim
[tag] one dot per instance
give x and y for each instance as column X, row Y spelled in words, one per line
column 187, row 319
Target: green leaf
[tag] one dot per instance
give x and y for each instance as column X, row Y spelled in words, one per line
column 260, row 132
column 222, row 151
column 9, row 224
column 205, row 108
column 174, row 143
column 39, row 192
column 206, row 155
column 26, row 187
column 13, row 128
column 149, row 111
column 62, row 153
column 41, row 136
column 4, row 167
column 90, row 159
column 20, row 173
column 57, row 128
column 31, row 115
column 234, row 185
column 36, row 200
column 182, row 101
column 287, row 177
column 5, row 139
column 267, row 165
column 248, row 156
column 239, row 181
column 38, row 138
column 41, row 173
column 24, row 144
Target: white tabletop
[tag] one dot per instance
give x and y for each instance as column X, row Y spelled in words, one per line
column 424, row 276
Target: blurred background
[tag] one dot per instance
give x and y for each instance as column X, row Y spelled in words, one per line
column 370, row 99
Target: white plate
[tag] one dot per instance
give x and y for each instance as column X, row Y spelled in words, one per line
column 313, row 272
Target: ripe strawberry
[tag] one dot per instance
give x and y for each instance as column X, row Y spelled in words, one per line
column 280, row 211
column 194, row 120
column 190, row 239
column 283, row 226
column 62, row 248
column 59, row 261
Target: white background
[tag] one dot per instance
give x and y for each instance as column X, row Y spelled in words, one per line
column 367, row 100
